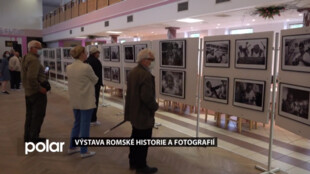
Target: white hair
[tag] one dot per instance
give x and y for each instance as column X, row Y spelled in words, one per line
column 33, row 43
column 144, row 54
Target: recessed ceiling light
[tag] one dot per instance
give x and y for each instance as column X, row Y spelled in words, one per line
column 300, row 14
column 247, row 24
column 114, row 32
column 217, row 27
column 253, row 20
column 218, row 24
column 287, row 19
column 189, row 20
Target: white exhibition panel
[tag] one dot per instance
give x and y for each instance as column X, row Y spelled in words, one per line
column 113, row 64
column 136, row 47
column 189, row 72
column 239, row 73
column 66, row 59
column 294, row 80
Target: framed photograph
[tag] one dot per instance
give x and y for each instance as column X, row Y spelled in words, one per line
column 296, row 53
column 251, row 53
column 127, row 70
column 45, row 53
column 106, row 53
column 115, row 53
column 129, row 53
column 52, row 65
column 249, row 94
column 66, row 53
column 217, row 53
column 107, row 73
column 294, row 102
column 59, row 70
column 58, row 53
column 172, row 53
column 138, row 48
column 215, row 89
column 52, row 54
column 115, row 74
column 172, row 83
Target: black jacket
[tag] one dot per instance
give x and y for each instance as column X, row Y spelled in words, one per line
column 97, row 67
column 140, row 105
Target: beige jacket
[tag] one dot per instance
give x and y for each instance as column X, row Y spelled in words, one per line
column 14, row 64
column 81, row 85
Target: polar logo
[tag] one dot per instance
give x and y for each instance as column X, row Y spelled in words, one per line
column 44, row 147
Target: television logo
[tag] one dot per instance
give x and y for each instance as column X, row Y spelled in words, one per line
column 44, row 147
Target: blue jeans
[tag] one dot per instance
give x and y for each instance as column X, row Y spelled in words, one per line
column 81, row 126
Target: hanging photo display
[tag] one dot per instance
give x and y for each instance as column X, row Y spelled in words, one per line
column 294, row 102
column 129, row 53
column 127, row 70
column 59, row 67
column 107, row 73
column 45, row 63
column 296, row 53
column 45, row 53
column 58, row 53
column 106, row 53
column 172, row 53
column 52, row 65
column 66, row 53
column 251, row 53
column 249, row 94
column 172, row 83
column 215, row 89
column 217, row 53
column 114, row 53
column 115, row 74
column 52, row 54
column 138, row 48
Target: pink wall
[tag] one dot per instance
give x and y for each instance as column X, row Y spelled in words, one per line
column 115, row 10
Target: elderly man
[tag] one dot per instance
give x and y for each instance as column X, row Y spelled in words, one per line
column 94, row 62
column 140, row 108
column 33, row 78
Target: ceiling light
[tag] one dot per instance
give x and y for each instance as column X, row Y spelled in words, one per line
column 247, row 24
column 217, row 27
column 81, row 37
column 300, row 14
column 287, row 20
column 189, row 20
column 114, row 32
column 218, row 24
column 253, row 20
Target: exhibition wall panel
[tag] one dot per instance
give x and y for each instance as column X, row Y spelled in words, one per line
column 176, row 69
column 236, row 78
column 112, row 65
column 294, row 82
column 129, row 57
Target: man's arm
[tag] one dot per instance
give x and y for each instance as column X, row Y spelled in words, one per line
column 146, row 94
column 32, row 74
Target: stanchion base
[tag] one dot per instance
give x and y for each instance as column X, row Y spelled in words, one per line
column 105, row 104
column 156, row 125
column 265, row 171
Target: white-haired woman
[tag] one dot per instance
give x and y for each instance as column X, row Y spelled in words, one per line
column 81, row 82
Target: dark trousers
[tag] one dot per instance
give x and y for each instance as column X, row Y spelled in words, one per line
column 97, row 94
column 15, row 79
column 138, row 154
column 35, row 113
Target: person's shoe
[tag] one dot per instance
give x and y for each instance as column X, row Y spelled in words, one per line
column 73, row 151
column 147, row 170
column 88, row 154
column 5, row 92
column 96, row 123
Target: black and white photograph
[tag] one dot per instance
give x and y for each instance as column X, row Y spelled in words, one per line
column 115, row 74
column 249, row 94
column 127, row 71
column 138, row 48
column 129, row 53
column 172, row 83
column 215, row 89
column 296, row 53
column 251, row 53
column 115, row 53
column 59, row 67
column 217, row 53
column 107, row 73
column 173, row 53
column 58, row 53
column 66, row 53
column 52, row 54
column 52, row 65
column 294, row 102
column 45, row 53
column 106, row 53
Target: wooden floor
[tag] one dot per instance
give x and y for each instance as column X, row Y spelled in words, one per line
column 57, row 126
